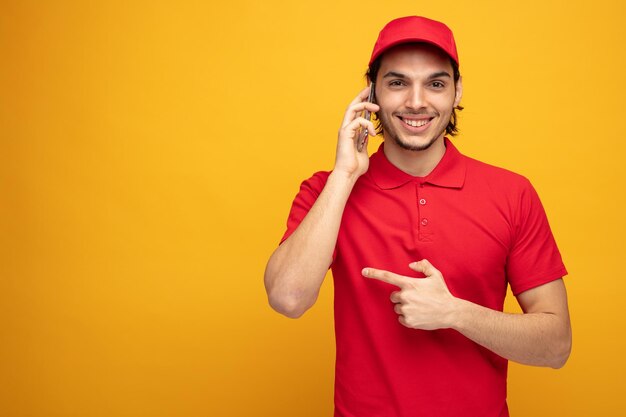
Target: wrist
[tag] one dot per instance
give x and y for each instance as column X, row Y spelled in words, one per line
column 460, row 311
column 342, row 177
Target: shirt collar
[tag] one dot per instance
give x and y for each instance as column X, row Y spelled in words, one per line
column 449, row 172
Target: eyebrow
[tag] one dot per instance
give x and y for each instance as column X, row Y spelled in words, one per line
column 393, row 74
column 439, row 75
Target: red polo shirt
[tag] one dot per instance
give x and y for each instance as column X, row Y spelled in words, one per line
column 483, row 227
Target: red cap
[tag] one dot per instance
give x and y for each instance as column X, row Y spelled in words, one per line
column 415, row 29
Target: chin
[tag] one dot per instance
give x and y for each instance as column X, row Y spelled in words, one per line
column 414, row 146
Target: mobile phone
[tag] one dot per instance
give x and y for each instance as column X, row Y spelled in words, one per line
column 364, row 133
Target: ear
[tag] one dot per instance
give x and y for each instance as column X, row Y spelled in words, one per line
column 458, row 92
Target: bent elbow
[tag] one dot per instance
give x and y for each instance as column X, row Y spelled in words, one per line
column 559, row 362
column 288, row 306
column 285, row 292
column 283, row 296
column 562, row 353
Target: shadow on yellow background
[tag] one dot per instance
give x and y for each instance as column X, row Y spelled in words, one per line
column 150, row 152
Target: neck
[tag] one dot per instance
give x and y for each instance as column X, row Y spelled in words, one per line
column 415, row 163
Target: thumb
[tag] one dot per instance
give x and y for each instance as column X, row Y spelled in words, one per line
column 424, row 267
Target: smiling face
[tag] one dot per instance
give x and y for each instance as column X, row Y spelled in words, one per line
column 416, row 92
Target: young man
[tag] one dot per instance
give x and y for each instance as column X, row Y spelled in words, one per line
column 422, row 242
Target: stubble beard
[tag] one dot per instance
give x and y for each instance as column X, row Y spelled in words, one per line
column 415, row 148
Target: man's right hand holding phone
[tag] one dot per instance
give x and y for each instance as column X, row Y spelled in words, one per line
column 353, row 135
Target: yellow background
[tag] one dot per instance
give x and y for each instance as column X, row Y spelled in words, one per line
column 150, row 151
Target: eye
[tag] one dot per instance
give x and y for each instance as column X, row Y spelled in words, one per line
column 396, row 83
column 437, row 84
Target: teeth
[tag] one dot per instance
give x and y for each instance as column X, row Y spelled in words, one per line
column 416, row 123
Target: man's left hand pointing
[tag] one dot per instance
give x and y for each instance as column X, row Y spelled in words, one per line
column 421, row 303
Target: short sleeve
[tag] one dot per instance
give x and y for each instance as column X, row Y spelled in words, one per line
column 534, row 258
column 310, row 189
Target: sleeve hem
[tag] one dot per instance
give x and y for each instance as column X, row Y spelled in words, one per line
column 538, row 280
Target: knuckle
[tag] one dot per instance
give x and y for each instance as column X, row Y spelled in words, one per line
column 410, row 322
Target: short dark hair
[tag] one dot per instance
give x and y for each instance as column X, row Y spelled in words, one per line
column 451, row 129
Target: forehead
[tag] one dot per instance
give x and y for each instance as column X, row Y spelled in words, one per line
column 415, row 57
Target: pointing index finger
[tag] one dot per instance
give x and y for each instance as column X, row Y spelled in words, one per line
column 385, row 276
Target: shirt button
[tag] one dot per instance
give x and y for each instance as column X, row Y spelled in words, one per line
column 422, row 201
column 424, row 222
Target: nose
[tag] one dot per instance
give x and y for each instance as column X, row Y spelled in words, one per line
column 415, row 98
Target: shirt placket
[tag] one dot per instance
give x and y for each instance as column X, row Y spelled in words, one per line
column 424, row 211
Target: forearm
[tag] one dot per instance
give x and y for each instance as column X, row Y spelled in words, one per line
column 540, row 339
column 296, row 270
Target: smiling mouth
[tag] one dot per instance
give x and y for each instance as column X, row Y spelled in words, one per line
column 416, row 123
